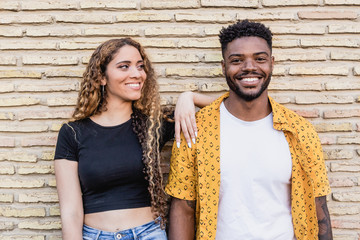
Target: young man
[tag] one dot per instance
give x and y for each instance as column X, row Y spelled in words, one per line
column 257, row 169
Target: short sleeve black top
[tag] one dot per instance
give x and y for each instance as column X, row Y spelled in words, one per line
column 110, row 163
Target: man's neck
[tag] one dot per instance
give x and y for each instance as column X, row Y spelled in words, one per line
column 248, row 110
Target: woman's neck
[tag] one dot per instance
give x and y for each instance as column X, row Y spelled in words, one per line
column 115, row 114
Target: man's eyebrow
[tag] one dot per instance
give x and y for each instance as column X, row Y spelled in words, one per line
column 241, row 55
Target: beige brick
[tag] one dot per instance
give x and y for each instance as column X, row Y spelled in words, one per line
column 84, row 18
column 159, row 43
column 213, row 57
column 327, row 15
column 194, row 72
column 6, row 198
column 298, row 55
column 285, row 42
column 357, row 71
column 25, row 18
column 59, row 238
column 21, row 101
column 327, row 140
column 342, row 182
column 348, row 209
column 177, row 87
column 55, row 127
column 19, row 74
column 48, row 155
column 48, row 5
column 205, row 17
column 212, row 30
column 329, row 42
column 79, row 44
column 342, row 84
column 8, row 5
column 213, row 87
column 44, row 225
column 22, row 237
column 316, row 99
column 29, row 44
column 257, row 15
column 7, row 60
column 52, row 182
column 347, row 197
column 7, row 142
column 21, row 183
column 143, row 16
column 62, row 101
column 230, row 3
column 275, row 3
column 54, row 211
column 286, row 84
column 108, row 4
column 199, row 43
column 319, row 70
column 45, row 114
column 346, row 113
column 341, row 2
column 314, row 113
column 338, row 154
column 279, row 70
column 345, row 236
column 344, row 55
column 17, row 157
column 345, row 167
column 6, row 87
column 53, row 32
column 36, row 169
column 172, row 31
column 298, row 29
column 7, row 169
column 22, row 212
column 6, row 225
column 23, row 127
column 38, row 141
column 348, row 28
column 35, row 197
column 349, row 140
column 111, row 31
column 48, row 86
column 165, row 57
column 64, row 72
column 333, row 127
column 11, row 32
column 49, row 60
column 169, row 4
column 345, row 224
column 6, row 116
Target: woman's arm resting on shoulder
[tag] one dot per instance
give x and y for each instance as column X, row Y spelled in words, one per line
column 185, row 115
column 182, row 220
column 70, row 198
column 323, row 216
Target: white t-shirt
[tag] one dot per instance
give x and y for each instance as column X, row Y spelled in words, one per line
column 255, row 163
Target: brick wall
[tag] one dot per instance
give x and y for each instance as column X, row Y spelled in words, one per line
column 45, row 45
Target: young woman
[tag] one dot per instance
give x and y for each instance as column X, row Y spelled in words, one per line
column 107, row 161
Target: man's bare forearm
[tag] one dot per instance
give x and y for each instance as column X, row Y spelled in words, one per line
column 325, row 231
column 182, row 220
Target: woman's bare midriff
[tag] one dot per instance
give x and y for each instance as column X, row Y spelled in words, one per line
column 117, row 220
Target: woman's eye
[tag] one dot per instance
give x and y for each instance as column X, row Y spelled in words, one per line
column 141, row 66
column 123, row 66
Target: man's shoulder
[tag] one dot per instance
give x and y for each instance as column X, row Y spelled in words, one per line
column 212, row 109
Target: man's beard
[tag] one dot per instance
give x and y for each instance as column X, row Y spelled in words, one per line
column 245, row 96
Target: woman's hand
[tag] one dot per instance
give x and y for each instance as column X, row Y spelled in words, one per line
column 185, row 118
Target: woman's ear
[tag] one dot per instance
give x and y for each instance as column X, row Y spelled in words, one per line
column 103, row 81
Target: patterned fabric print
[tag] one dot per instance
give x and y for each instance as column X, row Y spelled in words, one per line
column 195, row 173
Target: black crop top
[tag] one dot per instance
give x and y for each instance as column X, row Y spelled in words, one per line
column 110, row 163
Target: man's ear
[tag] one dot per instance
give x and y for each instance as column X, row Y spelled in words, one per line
column 272, row 63
column 223, row 66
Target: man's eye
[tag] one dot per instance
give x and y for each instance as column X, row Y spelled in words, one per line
column 235, row 60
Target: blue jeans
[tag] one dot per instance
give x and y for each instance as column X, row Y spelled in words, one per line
column 148, row 231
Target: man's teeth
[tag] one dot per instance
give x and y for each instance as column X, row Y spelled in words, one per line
column 249, row 79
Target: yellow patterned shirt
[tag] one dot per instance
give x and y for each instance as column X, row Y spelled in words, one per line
column 195, row 172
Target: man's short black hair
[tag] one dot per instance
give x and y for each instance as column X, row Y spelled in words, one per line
column 244, row 28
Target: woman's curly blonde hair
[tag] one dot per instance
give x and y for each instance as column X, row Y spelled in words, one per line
column 146, row 116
